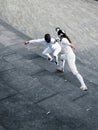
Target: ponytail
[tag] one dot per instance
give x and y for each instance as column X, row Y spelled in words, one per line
column 63, row 34
column 68, row 38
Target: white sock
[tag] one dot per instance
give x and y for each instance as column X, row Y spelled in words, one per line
column 80, row 78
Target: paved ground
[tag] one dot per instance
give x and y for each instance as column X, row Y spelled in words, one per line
column 33, row 96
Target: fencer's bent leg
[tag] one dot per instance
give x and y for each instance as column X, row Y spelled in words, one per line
column 47, row 52
column 55, row 54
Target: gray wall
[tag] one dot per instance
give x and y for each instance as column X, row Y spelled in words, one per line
column 36, row 17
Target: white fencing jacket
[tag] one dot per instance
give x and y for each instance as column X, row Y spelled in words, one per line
column 52, row 45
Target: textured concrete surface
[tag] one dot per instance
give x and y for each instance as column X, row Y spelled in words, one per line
column 33, row 96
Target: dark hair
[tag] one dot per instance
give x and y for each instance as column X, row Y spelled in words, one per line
column 47, row 38
column 60, row 32
column 63, row 34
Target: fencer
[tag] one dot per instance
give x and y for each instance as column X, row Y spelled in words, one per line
column 68, row 54
column 53, row 47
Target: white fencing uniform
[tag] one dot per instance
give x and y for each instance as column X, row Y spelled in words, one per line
column 53, row 48
column 68, row 54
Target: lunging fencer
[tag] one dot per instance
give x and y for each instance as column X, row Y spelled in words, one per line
column 52, row 50
column 68, row 54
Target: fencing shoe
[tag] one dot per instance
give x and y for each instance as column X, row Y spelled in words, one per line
column 84, row 87
column 50, row 59
column 60, row 70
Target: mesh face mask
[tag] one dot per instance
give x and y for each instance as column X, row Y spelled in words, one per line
column 47, row 38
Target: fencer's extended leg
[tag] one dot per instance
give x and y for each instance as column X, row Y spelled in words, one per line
column 80, row 78
column 72, row 65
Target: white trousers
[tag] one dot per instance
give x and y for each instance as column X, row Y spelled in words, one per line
column 71, row 62
column 48, row 52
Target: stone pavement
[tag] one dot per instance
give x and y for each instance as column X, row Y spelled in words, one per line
column 33, row 96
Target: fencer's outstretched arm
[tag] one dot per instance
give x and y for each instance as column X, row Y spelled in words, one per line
column 34, row 41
